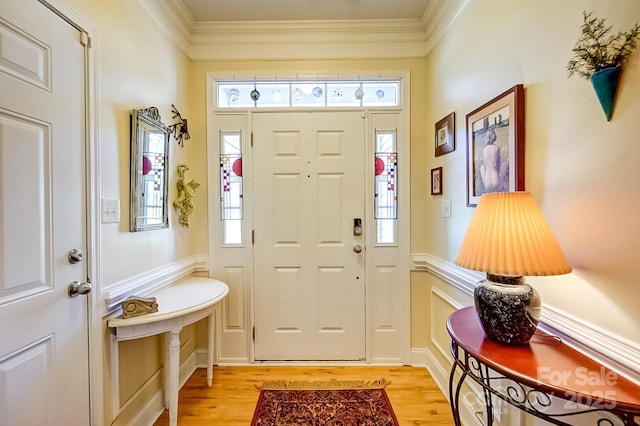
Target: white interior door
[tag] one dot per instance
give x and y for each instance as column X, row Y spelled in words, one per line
column 309, row 265
column 43, row 346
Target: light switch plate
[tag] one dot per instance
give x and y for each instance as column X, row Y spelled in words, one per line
column 446, row 208
column 110, row 210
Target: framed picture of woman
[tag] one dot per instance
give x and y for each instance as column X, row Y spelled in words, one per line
column 495, row 145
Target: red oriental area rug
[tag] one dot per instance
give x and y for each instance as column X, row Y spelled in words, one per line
column 333, row 403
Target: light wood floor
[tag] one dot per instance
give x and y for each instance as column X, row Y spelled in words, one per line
column 415, row 397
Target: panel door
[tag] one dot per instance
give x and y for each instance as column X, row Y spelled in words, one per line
column 309, row 265
column 43, row 343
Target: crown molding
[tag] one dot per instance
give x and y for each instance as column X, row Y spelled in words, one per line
column 281, row 40
column 438, row 18
column 308, row 39
column 166, row 14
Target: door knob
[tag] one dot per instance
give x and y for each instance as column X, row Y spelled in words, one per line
column 357, row 248
column 75, row 256
column 76, row 288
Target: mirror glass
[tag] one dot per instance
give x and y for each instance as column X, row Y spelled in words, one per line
column 149, row 174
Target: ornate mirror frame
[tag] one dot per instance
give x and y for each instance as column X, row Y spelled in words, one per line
column 149, row 171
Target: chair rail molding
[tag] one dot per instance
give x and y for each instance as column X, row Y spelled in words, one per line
column 152, row 280
column 613, row 351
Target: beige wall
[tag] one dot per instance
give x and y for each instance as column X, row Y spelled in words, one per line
column 582, row 170
column 138, row 66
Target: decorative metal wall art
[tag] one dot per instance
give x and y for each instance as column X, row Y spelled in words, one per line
column 179, row 130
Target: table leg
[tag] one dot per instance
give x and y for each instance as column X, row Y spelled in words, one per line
column 210, row 339
column 454, row 393
column 172, row 372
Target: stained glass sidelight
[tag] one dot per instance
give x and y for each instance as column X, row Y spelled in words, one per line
column 386, row 187
column 231, row 202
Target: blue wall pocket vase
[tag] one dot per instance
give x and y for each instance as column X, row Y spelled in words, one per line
column 605, row 84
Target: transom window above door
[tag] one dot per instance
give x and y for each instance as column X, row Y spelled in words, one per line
column 308, row 93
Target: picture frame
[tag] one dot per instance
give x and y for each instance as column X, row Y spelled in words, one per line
column 436, row 181
column 495, row 145
column 445, row 135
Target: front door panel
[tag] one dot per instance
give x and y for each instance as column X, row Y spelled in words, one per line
column 309, row 269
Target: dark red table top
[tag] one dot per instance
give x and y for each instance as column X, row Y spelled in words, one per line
column 546, row 364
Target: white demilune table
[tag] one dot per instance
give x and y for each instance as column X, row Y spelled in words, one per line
column 180, row 304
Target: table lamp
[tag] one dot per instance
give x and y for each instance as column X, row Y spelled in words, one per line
column 508, row 238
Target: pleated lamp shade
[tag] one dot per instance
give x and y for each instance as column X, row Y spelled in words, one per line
column 509, row 236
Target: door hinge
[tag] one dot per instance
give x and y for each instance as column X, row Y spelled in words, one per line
column 253, row 334
column 253, row 236
column 251, row 139
column 85, row 40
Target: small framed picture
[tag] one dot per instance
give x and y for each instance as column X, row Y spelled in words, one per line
column 445, row 135
column 495, row 146
column 436, row 181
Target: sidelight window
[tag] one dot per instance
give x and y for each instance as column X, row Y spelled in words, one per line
column 231, row 201
column 386, row 187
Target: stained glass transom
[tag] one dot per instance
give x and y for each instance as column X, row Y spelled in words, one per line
column 308, row 94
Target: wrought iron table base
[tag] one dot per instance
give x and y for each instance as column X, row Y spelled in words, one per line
column 530, row 400
column 546, row 378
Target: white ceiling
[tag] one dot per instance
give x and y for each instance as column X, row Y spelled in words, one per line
column 295, row 10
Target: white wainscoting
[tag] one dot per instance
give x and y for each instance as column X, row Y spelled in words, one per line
column 611, row 350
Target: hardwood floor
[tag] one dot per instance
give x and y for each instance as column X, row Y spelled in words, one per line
column 415, row 397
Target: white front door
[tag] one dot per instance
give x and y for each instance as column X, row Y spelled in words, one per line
column 309, row 262
column 44, row 341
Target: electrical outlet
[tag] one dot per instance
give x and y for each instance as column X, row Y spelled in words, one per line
column 446, row 208
column 110, row 211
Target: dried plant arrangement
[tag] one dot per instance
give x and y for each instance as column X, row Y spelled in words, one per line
column 597, row 48
column 599, row 56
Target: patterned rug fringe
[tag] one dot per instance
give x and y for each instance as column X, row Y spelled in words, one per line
column 332, row 384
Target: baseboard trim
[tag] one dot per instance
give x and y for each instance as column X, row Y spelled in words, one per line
column 154, row 407
column 611, row 350
column 141, row 409
column 437, row 371
column 419, row 357
column 440, row 375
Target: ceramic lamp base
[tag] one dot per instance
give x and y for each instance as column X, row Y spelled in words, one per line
column 509, row 309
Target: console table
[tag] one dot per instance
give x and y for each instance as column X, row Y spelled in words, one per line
column 180, row 304
column 546, row 378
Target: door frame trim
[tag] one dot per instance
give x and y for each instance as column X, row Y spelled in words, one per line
column 92, row 197
column 242, row 335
